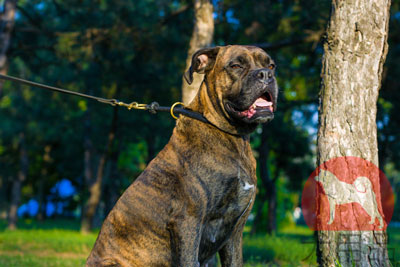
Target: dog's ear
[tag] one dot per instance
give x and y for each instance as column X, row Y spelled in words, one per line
column 202, row 61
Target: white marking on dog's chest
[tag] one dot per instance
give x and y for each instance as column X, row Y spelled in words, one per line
column 248, row 186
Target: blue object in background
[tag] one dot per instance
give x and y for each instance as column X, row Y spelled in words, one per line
column 61, row 190
column 31, row 208
column 22, row 210
column 50, row 208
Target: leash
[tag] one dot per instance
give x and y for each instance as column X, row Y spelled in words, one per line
column 152, row 108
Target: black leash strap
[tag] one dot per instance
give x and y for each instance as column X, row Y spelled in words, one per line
column 152, row 108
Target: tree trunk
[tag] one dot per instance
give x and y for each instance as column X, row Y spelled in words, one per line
column 269, row 186
column 201, row 37
column 151, row 147
column 96, row 187
column 41, row 183
column 354, row 52
column 17, row 184
column 88, row 150
column 271, row 216
column 7, row 26
column 261, row 198
column 87, row 158
column 113, row 185
column 267, row 182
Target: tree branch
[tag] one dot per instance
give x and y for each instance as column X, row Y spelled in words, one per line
column 175, row 13
column 34, row 21
column 311, row 37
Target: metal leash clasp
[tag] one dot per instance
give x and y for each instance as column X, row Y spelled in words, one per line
column 132, row 105
column 172, row 109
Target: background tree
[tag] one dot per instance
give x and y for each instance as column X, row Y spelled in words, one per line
column 202, row 36
column 7, row 25
column 354, row 52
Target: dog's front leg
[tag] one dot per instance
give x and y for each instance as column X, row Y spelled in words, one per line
column 185, row 241
column 231, row 253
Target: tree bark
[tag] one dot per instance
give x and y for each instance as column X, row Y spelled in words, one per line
column 17, row 184
column 354, row 52
column 96, row 186
column 7, row 26
column 201, row 37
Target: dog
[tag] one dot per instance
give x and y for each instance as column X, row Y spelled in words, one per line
column 339, row 192
column 194, row 198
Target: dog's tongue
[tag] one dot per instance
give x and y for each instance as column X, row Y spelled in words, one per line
column 262, row 102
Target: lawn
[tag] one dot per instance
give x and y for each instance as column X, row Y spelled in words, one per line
column 51, row 243
column 59, row 243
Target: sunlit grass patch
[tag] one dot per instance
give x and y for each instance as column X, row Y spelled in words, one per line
column 49, row 240
column 49, row 243
column 33, row 260
column 287, row 248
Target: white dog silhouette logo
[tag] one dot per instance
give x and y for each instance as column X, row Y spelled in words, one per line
column 360, row 191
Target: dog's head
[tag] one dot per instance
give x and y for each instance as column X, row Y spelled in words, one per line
column 239, row 89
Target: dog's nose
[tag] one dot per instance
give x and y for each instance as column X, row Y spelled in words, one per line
column 264, row 75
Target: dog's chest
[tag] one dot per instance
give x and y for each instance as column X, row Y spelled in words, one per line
column 234, row 198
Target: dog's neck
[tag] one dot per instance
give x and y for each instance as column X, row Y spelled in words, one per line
column 208, row 103
column 194, row 132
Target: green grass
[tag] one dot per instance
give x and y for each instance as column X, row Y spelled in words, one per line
column 394, row 246
column 59, row 243
column 290, row 247
column 51, row 243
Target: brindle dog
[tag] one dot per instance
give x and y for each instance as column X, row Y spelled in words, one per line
column 194, row 198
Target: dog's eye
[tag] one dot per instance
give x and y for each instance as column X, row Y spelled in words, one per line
column 236, row 66
column 271, row 66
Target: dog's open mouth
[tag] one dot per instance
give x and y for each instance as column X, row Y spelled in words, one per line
column 263, row 103
column 263, row 106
